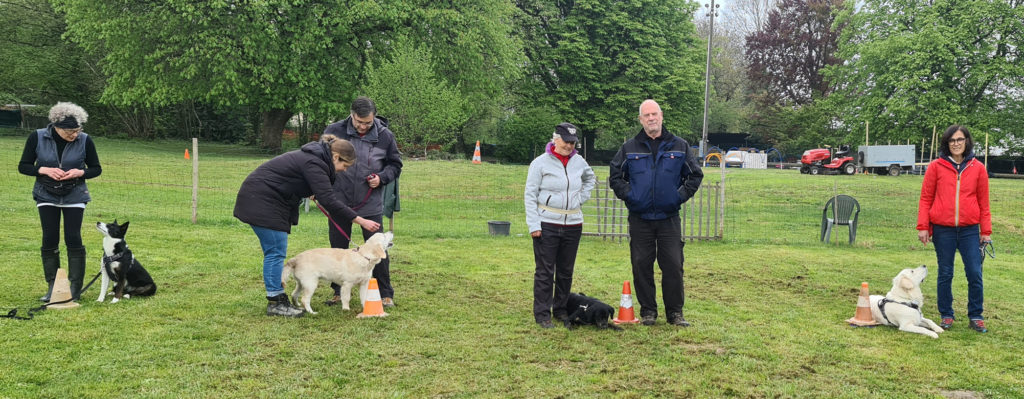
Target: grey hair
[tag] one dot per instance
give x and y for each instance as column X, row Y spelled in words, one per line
column 640, row 109
column 554, row 136
column 65, row 109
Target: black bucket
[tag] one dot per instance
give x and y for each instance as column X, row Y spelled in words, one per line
column 498, row 228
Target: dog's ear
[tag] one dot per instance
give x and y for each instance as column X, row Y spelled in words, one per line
column 906, row 283
column 124, row 227
column 380, row 252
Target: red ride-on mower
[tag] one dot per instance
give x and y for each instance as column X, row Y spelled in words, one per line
column 822, row 160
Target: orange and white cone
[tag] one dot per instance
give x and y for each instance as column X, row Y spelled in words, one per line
column 863, row 316
column 626, row 307
column 476, row 153
column 372, row 307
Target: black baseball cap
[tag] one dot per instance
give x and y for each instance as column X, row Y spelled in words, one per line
column 567, row 131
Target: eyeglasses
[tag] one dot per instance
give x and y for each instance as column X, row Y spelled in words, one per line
column 959, row 140
column 70, row 131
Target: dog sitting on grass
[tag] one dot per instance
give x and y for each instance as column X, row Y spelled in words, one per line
column 585, row 310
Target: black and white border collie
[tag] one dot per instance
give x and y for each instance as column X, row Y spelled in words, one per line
column 120, row 266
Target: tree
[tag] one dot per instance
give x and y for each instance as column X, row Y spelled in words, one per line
column 594, row 61
column 277, row 57
column 36, row 65
column 913, row 65
column 427, row 110
column 787, row 55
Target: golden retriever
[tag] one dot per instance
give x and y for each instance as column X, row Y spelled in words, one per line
column 346, row 267
column 901, row 307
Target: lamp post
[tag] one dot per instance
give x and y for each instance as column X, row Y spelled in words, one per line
column 712, row 13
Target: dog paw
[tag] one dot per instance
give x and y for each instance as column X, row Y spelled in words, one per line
column 126, row 296
column 100, row 300
column 115, row 300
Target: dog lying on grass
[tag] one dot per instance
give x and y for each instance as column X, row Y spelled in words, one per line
column 346, row 267
column 901, row 307
column 585, row 310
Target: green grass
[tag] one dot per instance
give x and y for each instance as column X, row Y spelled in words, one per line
column 767, row 303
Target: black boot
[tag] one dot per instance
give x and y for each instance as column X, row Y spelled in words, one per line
column 51, row 262
column 76, row 271
column 280, row 306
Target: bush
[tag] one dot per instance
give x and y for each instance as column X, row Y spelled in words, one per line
column 524, row 132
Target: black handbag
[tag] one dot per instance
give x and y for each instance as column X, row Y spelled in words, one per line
column 58, row 187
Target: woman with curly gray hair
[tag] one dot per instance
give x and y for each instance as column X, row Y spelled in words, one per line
column 61, row 157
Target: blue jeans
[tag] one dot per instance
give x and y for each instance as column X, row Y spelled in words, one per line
column 275, row 247
column 949, row 240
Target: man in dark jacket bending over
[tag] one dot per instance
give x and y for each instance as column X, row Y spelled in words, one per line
column 654, row 173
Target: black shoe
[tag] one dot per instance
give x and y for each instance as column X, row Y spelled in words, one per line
column 677, row 319
column 978, row 325
column 648, row 320
column 561, row 316
column 280, row 306
column 333, row 301
column 546, row 324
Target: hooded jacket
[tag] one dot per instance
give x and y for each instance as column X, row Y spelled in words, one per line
column 955, row 195
column 654, row 177
column 553, row 186
column 270, row 196
column 378, row 154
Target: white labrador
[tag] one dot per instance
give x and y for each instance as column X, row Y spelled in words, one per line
column 346, row 267
column 901, row 307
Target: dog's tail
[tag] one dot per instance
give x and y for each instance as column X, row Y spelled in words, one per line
column 287, row 271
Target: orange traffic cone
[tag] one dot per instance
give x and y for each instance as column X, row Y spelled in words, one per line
column 372, row 306
column 61, row 292
column 626, row 307
column 476, row 153
column 863, row 316
column 186, row 153
column 1014, row 169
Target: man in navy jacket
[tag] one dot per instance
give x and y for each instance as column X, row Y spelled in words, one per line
column 654, row 174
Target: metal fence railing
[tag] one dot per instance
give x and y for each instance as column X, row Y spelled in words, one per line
column 701, row 217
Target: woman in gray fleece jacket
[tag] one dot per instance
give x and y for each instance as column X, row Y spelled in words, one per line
column 557, row 185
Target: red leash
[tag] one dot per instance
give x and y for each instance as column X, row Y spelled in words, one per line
column 332, row 220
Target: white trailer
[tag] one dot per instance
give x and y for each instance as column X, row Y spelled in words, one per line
column 886, row 159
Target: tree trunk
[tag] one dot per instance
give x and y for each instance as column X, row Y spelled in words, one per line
column 271, row 127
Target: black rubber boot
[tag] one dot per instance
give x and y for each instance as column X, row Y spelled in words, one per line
column 51, row 262
column 76, row 271
column 280, row 306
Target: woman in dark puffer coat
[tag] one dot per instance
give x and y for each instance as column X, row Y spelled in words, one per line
column 269, row 202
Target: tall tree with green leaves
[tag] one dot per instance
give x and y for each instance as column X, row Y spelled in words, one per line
column 426, row 109
column 280, row 56
column 911, row 65
column 37, row 66
column 595, row 60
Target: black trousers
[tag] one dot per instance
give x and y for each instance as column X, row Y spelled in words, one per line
column 381, row 272
column 660, row 240
column 554, row 253
column 49, row 218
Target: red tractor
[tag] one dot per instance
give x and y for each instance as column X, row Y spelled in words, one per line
column 823, row 160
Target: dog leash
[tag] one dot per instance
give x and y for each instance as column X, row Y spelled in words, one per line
column 987, row 248
column 332, row 220
column 13, row 314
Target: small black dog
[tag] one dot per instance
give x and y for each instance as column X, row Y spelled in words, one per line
column 586, row 310
column 120, row 265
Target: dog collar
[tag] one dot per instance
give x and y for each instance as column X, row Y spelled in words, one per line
column 110, row 259
column 883, row 301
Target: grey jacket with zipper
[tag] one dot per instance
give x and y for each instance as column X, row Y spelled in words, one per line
column 551, row 185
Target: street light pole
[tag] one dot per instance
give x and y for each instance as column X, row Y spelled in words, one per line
column 712, row 13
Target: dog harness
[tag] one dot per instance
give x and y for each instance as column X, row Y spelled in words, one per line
column 107, row 260
column 883, row 301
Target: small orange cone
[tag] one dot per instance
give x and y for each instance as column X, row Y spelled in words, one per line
column 61, row 292
column 372, row 306
column 626, row 307
column 863, row 316
column 476, row 153
column 1014, row 169
column 186, row 153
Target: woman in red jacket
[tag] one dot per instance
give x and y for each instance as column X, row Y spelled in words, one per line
column 953, row 213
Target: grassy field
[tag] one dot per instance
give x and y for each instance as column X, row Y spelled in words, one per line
column 767, row 303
